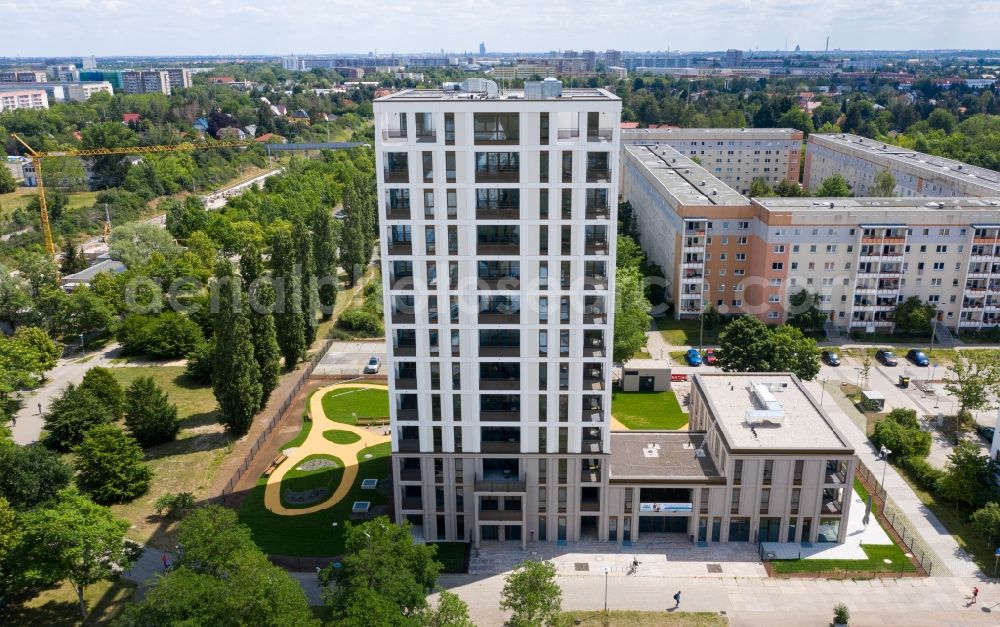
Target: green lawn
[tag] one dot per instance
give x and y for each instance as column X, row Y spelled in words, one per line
column 648, row 410
column 301, row 480
column 189, row 463
column 59, row 606
column 301, row 437
column 452, row 556
column 313, row 535
column 631, row 618
column 346, row 405
column 877, row 554
column 338, row 436
column 684, row 332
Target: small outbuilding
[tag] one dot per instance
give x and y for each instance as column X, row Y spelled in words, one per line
column 645, row 375
column 872, row 400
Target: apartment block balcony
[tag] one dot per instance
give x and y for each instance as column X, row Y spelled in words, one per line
column 401, row 281
column 597, row 212
column 501, row 515
column 498, row 212
column 596, row 247
column 502, row 485
column 590, row 505
column 404, row 382
column 412, row 503
column 400, row 248
column 596, row 316
column 408, row 445
column 568, row 134
column 426, row 136
column 410, row 474
column 593, row 415
column 987, row 240
column 595, row 350
column 497, row 317
column 498, row 247
column 498, row 175
column 600, row 134
column 598, row 175
column 595, row 282
column 500, row 415
column 397, row 213
column 394, row 135
column 593, row 383
column 407, row 414
column 396, row 175
column 499, row 350
column 402, row 318
column 405, row 349
column 499, row 383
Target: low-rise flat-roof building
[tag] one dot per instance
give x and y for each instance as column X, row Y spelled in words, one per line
column 13, row 99
column 860, row 160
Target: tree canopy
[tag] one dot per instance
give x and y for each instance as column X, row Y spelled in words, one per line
column 747, row 345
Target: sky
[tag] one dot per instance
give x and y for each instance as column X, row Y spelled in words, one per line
column 209, row 27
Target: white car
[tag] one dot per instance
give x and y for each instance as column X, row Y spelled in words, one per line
column 373, row 366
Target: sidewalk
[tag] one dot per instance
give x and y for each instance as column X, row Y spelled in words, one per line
column 948, row 553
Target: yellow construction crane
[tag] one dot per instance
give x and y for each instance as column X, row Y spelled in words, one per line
column 36, row 160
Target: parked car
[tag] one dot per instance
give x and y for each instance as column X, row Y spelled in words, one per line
column 830, row 358
column 373, row 366
column 886, row 357
column 693, row 357
column 985, row 432
column 710, row 357
column 918, row 357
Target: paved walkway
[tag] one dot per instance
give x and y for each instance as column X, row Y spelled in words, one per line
column 316, row 444
column 656, row 346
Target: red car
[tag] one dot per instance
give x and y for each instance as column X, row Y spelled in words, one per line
column 710, row 357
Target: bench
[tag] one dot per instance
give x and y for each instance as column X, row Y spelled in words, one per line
column 274, row 465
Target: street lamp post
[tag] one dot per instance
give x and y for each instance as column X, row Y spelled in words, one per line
column 883, row 454
column 822, row 393
column 606, row 570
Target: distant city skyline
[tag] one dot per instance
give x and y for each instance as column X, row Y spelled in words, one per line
column 230, row 27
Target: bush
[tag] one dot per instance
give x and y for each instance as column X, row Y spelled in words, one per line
column 174, row 506
column 133, row 332
column 901, row 434
column 200, row 362
column 363, row 323
column 105, row 388
column 841, row 614
column 71, row 415
column 149, row 416
column 925, row 475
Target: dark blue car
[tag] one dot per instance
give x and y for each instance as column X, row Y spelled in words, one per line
column 693, row 357
column 918, row 357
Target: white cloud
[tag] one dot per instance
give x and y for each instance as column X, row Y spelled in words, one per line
column 124, row 27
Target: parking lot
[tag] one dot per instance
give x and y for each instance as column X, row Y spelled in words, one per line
column 349, row 358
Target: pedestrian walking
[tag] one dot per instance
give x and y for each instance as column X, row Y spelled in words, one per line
column 975, row 594
column 677, row 599
column 39, row 409
column 166, row 561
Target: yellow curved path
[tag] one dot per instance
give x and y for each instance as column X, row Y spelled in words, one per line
column 316, row 444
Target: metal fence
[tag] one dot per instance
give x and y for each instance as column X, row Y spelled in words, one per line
column 899, row 525
column 272, row 421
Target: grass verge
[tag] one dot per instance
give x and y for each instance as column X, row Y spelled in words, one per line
column 882, row 558
column 453, row 556
column 59, row 606
column 341, row 437
column 686, row 332
column 356, row 403
column 189, row 463
column 648, row 410
column 313, row 535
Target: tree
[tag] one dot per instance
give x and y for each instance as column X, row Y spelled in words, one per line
column 884, row 185
column 10, row 532
column 632, row 314
column 710, row 317
column 201, row 361
column 110, row 466
column 969, row 477
column 914, row 316
column 532, row 594
column 83, row 313
column 325, row 243
column 759, row 188
column 382, row 570
column 355, row 243
column 747, row 345
column 789, row 189
column 834, row 186
column 8, row 183
column 235, row 375
column 263, row 334
column 109, row 171
column 451, row 611
column 71, row 415
column 976, row 380
column 149, row 415
column 794, row 352
column 986, row 521
column 184, row 218
column 133, row 244
column 901, row 433
column 804, row 314
column 221, row 578
column 25, row 357
column 628, row 253
column 75, row 540
column 289, row 321
column 105, row 388
column 798, row 119
column 73, row 258
column 32, row 474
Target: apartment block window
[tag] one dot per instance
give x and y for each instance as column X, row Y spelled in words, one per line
column 737, row 471
column 428, row 162
column 543, row 128
column 796, row 499
column 567, row 166
column 765, row 500
column 543, row 240
column 734, row 501
column 797, row 471
column 543, row 166
column 768, row 471
column 543, row 444
column 780, row 248
column 543, row 402
column 741, row 256
column 941, row 249
column 777, row 265
column 543, row 475
column 831, row 248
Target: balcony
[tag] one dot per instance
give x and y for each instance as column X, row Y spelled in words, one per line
column 595, row 350
column 498, row 383
column 595, row 282
column 508, row 282
column 499, row 317
column 593, row 383
column 499, row 212
column 597, row 212
column 412, row 503
column 501, row 515
column 409, row 445
column 409, row 474
column 498, row 247
column 593, row 415
column 568, row 134
column 408, row 414
column 394, row 135
column 397, row 213
column 403, row 281
column 600, row 135
column 396, row 175
column 598, row 175
column 513, row 485
column 499, row 350
column 405, row 349
column 511, row 445
column 426, row 136
column 590, row 505
column 596, row 247
column 500, row 415
column 498, row 175
column 595, row 317
column 400, row 248
column 406, row 383
column 403, row 318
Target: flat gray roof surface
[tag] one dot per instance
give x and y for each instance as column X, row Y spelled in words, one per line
column 659, row 455
column 682, row 178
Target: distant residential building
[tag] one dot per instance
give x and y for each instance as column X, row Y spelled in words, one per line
column 80, row 92
column 146, row 82
column 13, row 99
column 179, row 78
column 980, row 83
column 23, row 76
column 734, row 57
column 231, row 133
column 290, row 63
column 16, row 166
column 349, row 72
column 616, row 72
column 409, row 76
column 427, row 62
column 612, row 58
column 482, row 48
column 64, row 73
column 115, row 78
column 89, row 63
column 589, row 60
column 220, row 80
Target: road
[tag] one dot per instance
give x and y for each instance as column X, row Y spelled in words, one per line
column 218, row 198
